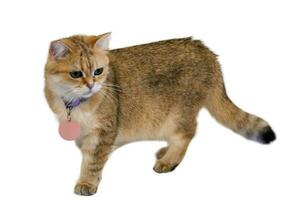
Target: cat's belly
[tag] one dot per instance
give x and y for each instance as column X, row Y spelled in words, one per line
column 145, row 132
column 128, row 136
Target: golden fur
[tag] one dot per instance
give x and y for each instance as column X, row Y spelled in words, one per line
column 148, row 92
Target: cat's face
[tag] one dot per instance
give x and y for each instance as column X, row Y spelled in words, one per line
column 77, row 67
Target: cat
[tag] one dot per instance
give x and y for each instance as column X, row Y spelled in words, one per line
column 145, row 92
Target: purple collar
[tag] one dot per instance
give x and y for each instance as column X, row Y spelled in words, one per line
column 74, row 103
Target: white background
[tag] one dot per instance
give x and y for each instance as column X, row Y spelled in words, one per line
column 251, row 38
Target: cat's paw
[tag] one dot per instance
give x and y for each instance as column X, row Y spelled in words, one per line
column 163, row 167
column 85, row 189
column 161, row 152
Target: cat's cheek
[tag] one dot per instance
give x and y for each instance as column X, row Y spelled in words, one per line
column 96, row 88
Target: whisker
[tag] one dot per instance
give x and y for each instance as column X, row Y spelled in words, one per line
column 111, row 96
column 113, row 85
column 106, row 96
column 113, row 89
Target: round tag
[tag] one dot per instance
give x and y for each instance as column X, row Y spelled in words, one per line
column 69, row 130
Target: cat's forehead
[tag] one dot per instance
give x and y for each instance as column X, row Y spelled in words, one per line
column 85, row 56
column 79, row 43
column 92, row 60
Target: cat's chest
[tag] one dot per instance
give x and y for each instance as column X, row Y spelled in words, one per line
column 86, row 119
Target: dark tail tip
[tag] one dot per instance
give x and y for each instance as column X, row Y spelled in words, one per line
column 266, row 136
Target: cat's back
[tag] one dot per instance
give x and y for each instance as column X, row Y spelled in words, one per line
column 164, row 64
column 162, row 51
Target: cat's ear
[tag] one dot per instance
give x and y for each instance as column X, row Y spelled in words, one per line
column 58, row 49
column 103, row 41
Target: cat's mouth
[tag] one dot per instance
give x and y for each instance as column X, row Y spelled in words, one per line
column 91, row 91
column 87, row 94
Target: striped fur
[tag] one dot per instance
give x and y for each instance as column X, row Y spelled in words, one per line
column 146, row 92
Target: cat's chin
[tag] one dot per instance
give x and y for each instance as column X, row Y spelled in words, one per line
column 85, row 96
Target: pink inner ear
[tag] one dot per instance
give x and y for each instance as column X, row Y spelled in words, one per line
column 58, row 49
column 103, row 41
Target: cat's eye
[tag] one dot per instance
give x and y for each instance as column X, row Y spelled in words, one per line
column 76, row 74
column 98, row 71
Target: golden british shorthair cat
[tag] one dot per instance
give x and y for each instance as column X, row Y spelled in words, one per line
column 146, row 92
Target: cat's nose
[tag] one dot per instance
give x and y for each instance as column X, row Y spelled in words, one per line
column 90, row 85
column 89, row 82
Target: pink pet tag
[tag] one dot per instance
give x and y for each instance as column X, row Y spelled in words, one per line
column 69, row 130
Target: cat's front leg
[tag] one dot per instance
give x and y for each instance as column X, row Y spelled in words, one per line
column 95, row 152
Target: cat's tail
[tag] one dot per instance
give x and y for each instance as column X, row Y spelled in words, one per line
column 243, row 123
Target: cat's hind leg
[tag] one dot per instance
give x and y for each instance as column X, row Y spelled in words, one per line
column 168, row 158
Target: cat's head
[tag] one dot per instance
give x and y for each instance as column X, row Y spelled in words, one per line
column 77, row 66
